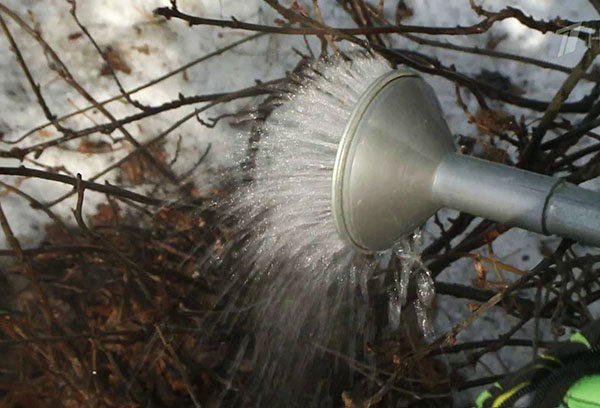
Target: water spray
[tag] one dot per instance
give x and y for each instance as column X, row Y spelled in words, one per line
column 396, row 166
column 353, row 160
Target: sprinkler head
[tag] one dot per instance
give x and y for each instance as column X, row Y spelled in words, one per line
column 386, row 162
column 396, row 165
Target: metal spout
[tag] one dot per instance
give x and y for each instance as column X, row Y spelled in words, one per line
column 396, row 166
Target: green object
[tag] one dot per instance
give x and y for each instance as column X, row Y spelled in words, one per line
column 577, row 337
column 585, row 393
column 566, row 376
column 482, row 398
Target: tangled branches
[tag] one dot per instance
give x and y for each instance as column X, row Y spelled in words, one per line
column 113, row 310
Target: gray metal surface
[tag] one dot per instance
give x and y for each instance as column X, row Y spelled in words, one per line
column 519, row 198
column 394, row 140
column 494, row 191
column 574, row 212
column 396, row 165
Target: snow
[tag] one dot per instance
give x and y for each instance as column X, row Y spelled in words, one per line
column 129, row 27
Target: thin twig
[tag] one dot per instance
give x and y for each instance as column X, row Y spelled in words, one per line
column 64, row 73
column 35, row 204
column 102, row 54
column 555, row 106
column 146, row 85
column 34, row 86
column 481, row 27
column 180, row 368
column 75, row 182
column 29, row 271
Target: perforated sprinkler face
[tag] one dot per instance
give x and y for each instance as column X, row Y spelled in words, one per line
column 385, row 164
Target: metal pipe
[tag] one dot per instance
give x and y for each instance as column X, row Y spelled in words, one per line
column 396, row 165
column 517, row 197
column 573, row 212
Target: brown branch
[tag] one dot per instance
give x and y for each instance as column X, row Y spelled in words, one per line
column 258, row 90
column 514, row 304
column 498, row 54
column 35, row 204
column 146, row 85
column 34, row 86
column 191, row 170
column 64, row 73
column 29, row 271
column 554, row 108
column 459, row 225
column 475, row 86
column 484, row 233
column 570, row 158
column 572, row 135
column 541, row 26
column 162, row 135
column 448, row 337
column 102, row 54
column 457, row 348
column 589, row 171
column 78, row 211
column 75, row 249
column 61, row 178
column 359, row 11
column 481, row 27
column 180, row 367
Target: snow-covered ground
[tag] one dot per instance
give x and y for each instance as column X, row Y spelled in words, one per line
column 151, row 47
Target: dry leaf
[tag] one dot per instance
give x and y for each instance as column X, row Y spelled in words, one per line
column 74, row 36
column 403, row 11
column 144, row 49
column 115, row 61
column 45, row 133
column 138, row 168
column 87, row 146
column 105, row 214
column 496, row 121
column 494, row 40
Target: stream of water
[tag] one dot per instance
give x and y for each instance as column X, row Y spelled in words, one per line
column 307, row 289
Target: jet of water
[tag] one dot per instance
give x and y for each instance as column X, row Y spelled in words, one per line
column 307, row 289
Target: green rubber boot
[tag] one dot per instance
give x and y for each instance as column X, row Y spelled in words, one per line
column 585, row 393
column 566, row 376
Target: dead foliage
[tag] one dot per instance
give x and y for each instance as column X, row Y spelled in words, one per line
column 120, row 309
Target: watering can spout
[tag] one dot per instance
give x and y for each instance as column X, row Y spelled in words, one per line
column 396, row 165
column 519, row 198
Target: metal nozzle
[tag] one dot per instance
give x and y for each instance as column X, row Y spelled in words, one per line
column 396, row 165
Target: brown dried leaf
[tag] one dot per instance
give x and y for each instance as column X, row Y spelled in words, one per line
column 299, row 9
column 105, row 214
column 45, row 133
column 472, row 306
column 56, row 235
column 138, row 168
column 354, row 399
column 74, row 36
column 115, row 61
column 87, row 146
column 403, row 11
column 492, row 153
column 496, row 121
column 494, row 40
column 479, row 268
column 144, row 49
